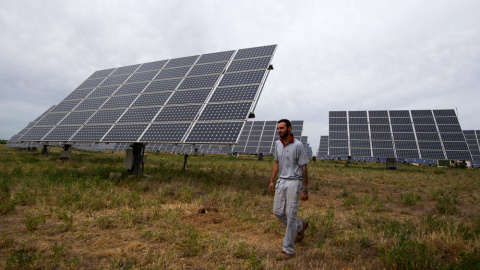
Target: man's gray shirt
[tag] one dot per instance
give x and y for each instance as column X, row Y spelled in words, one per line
column 290, row 159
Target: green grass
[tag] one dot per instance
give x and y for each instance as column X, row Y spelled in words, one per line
column 217, row 214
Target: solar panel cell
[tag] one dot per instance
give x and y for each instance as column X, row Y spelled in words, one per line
column 428, row 137
column 458, row 155
column 401, row 121
column 455, row 146
column 239, row 78
column 378, row 113
column 379, row 121
column 337, row 143
column 172, row 73
column 405, row 145
column 66, row 105
column 119, row 102
column 106, row 116
column 247, row 92
column 249, row 64
column 154, row 99
column 178, row 113
column 51, row 119
column 452, row 137
column 447, row 121
column 361, row 152
column 425, row 154
column 115, row 80
column 61, row 133
column 199, row 82
column 359, row 136
column 157, row 65
column 142, row 76
column 402, row 128
column 446, row 113
column 165, row 132
column 222, row 132
column 101, row 73
column 182, row 61
column 79, row 93
column 430, row 146
column 226, row 111
column 215, row 57
column 90, row 83
column 425, row 128
column 125, row 70
column 337, row 114
column 132, row 88
column 255, row 52
column 77, row 118
column 91, row 104
column 338, row 128
column 358, row 128
column 337, row 121
column 125, row 133
column 35, row 133
column 103, row 91
column 136, row 115
column 359, row 144
column 338, row 136
column 404, row 114
column 382, row 144
column 383, row 153
column 164, row 85
column 356, row 121
column 338, row 152
column 424, row 121
column 401, row 153
column 205, row 69
column 404, row 136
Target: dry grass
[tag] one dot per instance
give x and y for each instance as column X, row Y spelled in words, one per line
column 217, row 215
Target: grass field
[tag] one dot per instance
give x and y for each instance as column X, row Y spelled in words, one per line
column 218, row 214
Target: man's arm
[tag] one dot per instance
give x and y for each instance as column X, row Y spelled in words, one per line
column 271, row 187
column 304, row 194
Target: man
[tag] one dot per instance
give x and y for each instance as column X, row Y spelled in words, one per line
column 291, row 166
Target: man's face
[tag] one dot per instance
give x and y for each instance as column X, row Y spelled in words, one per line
column 282, row 130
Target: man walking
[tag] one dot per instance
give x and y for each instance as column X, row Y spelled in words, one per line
column 291, row 166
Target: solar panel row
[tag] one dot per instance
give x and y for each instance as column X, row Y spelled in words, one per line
column 417, row 134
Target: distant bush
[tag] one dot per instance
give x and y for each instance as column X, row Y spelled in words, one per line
column 3, row 141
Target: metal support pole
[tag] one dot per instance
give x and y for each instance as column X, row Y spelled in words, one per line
column 137, row 159
column 185, row 162
column 45, row 149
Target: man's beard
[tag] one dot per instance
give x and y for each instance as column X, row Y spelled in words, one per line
column 285, row 135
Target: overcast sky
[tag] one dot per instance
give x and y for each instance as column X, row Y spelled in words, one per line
column 331, row 55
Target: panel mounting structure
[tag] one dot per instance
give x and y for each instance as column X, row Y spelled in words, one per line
column 200, row 99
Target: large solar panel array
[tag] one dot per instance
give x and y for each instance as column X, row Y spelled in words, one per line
column 196, row 99
column 260, row 136
column 323, row 147
column 415, row 134
column 473, row 141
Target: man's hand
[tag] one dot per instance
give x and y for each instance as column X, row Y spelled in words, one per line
column 271, row 187
column 304, row 196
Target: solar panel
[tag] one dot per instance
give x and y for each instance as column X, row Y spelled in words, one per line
column 200, row 99
column 260, row 136
column 416, row 134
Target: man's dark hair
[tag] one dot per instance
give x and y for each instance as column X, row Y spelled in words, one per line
column 286, row 121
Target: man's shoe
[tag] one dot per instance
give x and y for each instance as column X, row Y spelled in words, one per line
column 283, row 256
column 300, row 235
